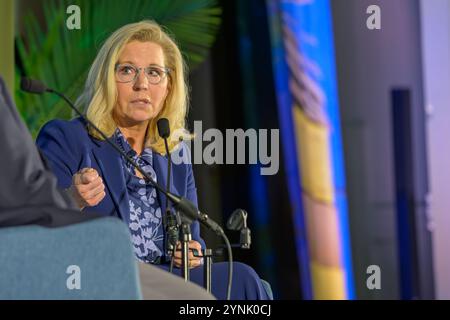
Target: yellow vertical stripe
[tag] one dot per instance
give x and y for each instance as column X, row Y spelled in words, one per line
column 328, row 282
column 313, row 152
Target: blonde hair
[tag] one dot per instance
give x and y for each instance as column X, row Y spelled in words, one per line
column 100, row 92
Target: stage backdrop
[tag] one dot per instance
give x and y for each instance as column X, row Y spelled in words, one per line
column 304, row 69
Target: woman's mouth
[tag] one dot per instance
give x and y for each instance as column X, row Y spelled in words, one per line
column 141, row 101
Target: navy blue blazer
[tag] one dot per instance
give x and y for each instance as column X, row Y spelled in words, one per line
column 68, row 147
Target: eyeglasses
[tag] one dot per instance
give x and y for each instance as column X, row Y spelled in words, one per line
column 129, row 73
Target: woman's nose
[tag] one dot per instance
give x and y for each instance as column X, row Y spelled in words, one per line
column 141, row 82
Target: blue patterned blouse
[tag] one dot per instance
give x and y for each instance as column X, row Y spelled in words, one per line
column 145, row 220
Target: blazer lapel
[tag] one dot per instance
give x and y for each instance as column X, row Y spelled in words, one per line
column 110, row 164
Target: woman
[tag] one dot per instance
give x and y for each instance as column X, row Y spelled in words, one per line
column 137, row 78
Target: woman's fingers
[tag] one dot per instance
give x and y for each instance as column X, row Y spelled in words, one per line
column 91, row 190
column 96, row 200
column 193, row 260
column 197, row 246
column 192, row 263
column 178, row 255
column 87, row 188
column 85, row 176
column 193, row 245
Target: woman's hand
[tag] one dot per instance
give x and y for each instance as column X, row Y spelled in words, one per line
column 193, row 261
column 87, row 188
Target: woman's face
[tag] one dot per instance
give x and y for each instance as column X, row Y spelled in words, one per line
column 140, row 100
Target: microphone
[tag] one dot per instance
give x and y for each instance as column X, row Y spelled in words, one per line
column 171, row 221
column 164, row 132
column 33, row 86
column 164, row 129
column 182, row 204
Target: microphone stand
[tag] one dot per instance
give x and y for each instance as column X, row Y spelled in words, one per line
column 164, row 132
column 170, row 221
column 207, row 254
column 186, row 236
column 189, row 210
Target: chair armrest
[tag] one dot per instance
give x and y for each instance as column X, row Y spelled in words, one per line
column 35, row 261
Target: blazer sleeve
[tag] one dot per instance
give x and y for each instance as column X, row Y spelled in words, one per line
column 55, row 144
